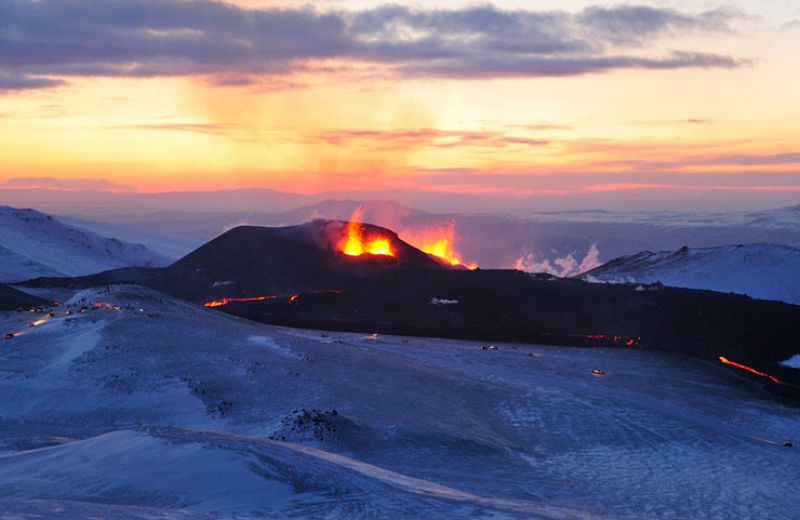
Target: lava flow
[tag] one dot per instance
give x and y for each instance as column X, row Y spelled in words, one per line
column 355, row 243
column 727, row 361
column 616, row 340
column 439, row 241
column 225, row 301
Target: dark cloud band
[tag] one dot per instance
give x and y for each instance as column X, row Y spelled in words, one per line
column 44, row 41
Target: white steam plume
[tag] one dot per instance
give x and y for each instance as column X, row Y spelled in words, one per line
column 564, row 266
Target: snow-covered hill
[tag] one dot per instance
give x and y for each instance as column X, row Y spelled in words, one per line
column 144, row 406
column 763, row 271
column 172, row 247
column 34, row 244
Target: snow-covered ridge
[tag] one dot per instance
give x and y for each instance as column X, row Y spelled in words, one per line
column 35, row 244
column 170, row 246
column 763, row 271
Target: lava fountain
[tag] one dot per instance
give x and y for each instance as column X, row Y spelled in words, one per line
column 439, row 241
column 356, row 242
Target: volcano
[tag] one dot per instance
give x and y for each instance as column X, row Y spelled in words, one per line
column 250, row 262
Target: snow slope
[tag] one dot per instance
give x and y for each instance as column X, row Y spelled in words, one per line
column 34, row 244
column 169, row 246
column 15, row 267
column 160, row 409
column 763, row 271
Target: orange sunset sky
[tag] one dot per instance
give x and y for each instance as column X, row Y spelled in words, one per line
column 535, row 97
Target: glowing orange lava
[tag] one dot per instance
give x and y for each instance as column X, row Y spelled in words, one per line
column 727, row 361
column 615, row 339
column 439, row 241
column 225, row 301
column 356, row 244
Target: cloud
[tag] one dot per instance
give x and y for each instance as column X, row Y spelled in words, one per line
column 559, row 66
column 23, row 81
column 541, row 181
column 636, row 24
column 62, row 184
column 428, row 137
column 639, row 187
column 719, row 160
column 536, row 127
column 752, row 160
column 791, row 25
column 43, row 42
column 199, row 128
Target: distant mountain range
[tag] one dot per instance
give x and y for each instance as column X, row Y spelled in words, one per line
column 97, row 202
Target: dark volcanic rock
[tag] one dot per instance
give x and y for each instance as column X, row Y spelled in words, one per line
column 11, row 298
column 513, row 306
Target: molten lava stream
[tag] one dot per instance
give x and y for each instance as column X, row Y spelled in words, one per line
column 356, row 244
column 225, row 301
column 727, row 361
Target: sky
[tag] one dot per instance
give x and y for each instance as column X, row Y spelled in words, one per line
column 559, row 99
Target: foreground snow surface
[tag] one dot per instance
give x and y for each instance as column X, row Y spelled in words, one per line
column 151, row 408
